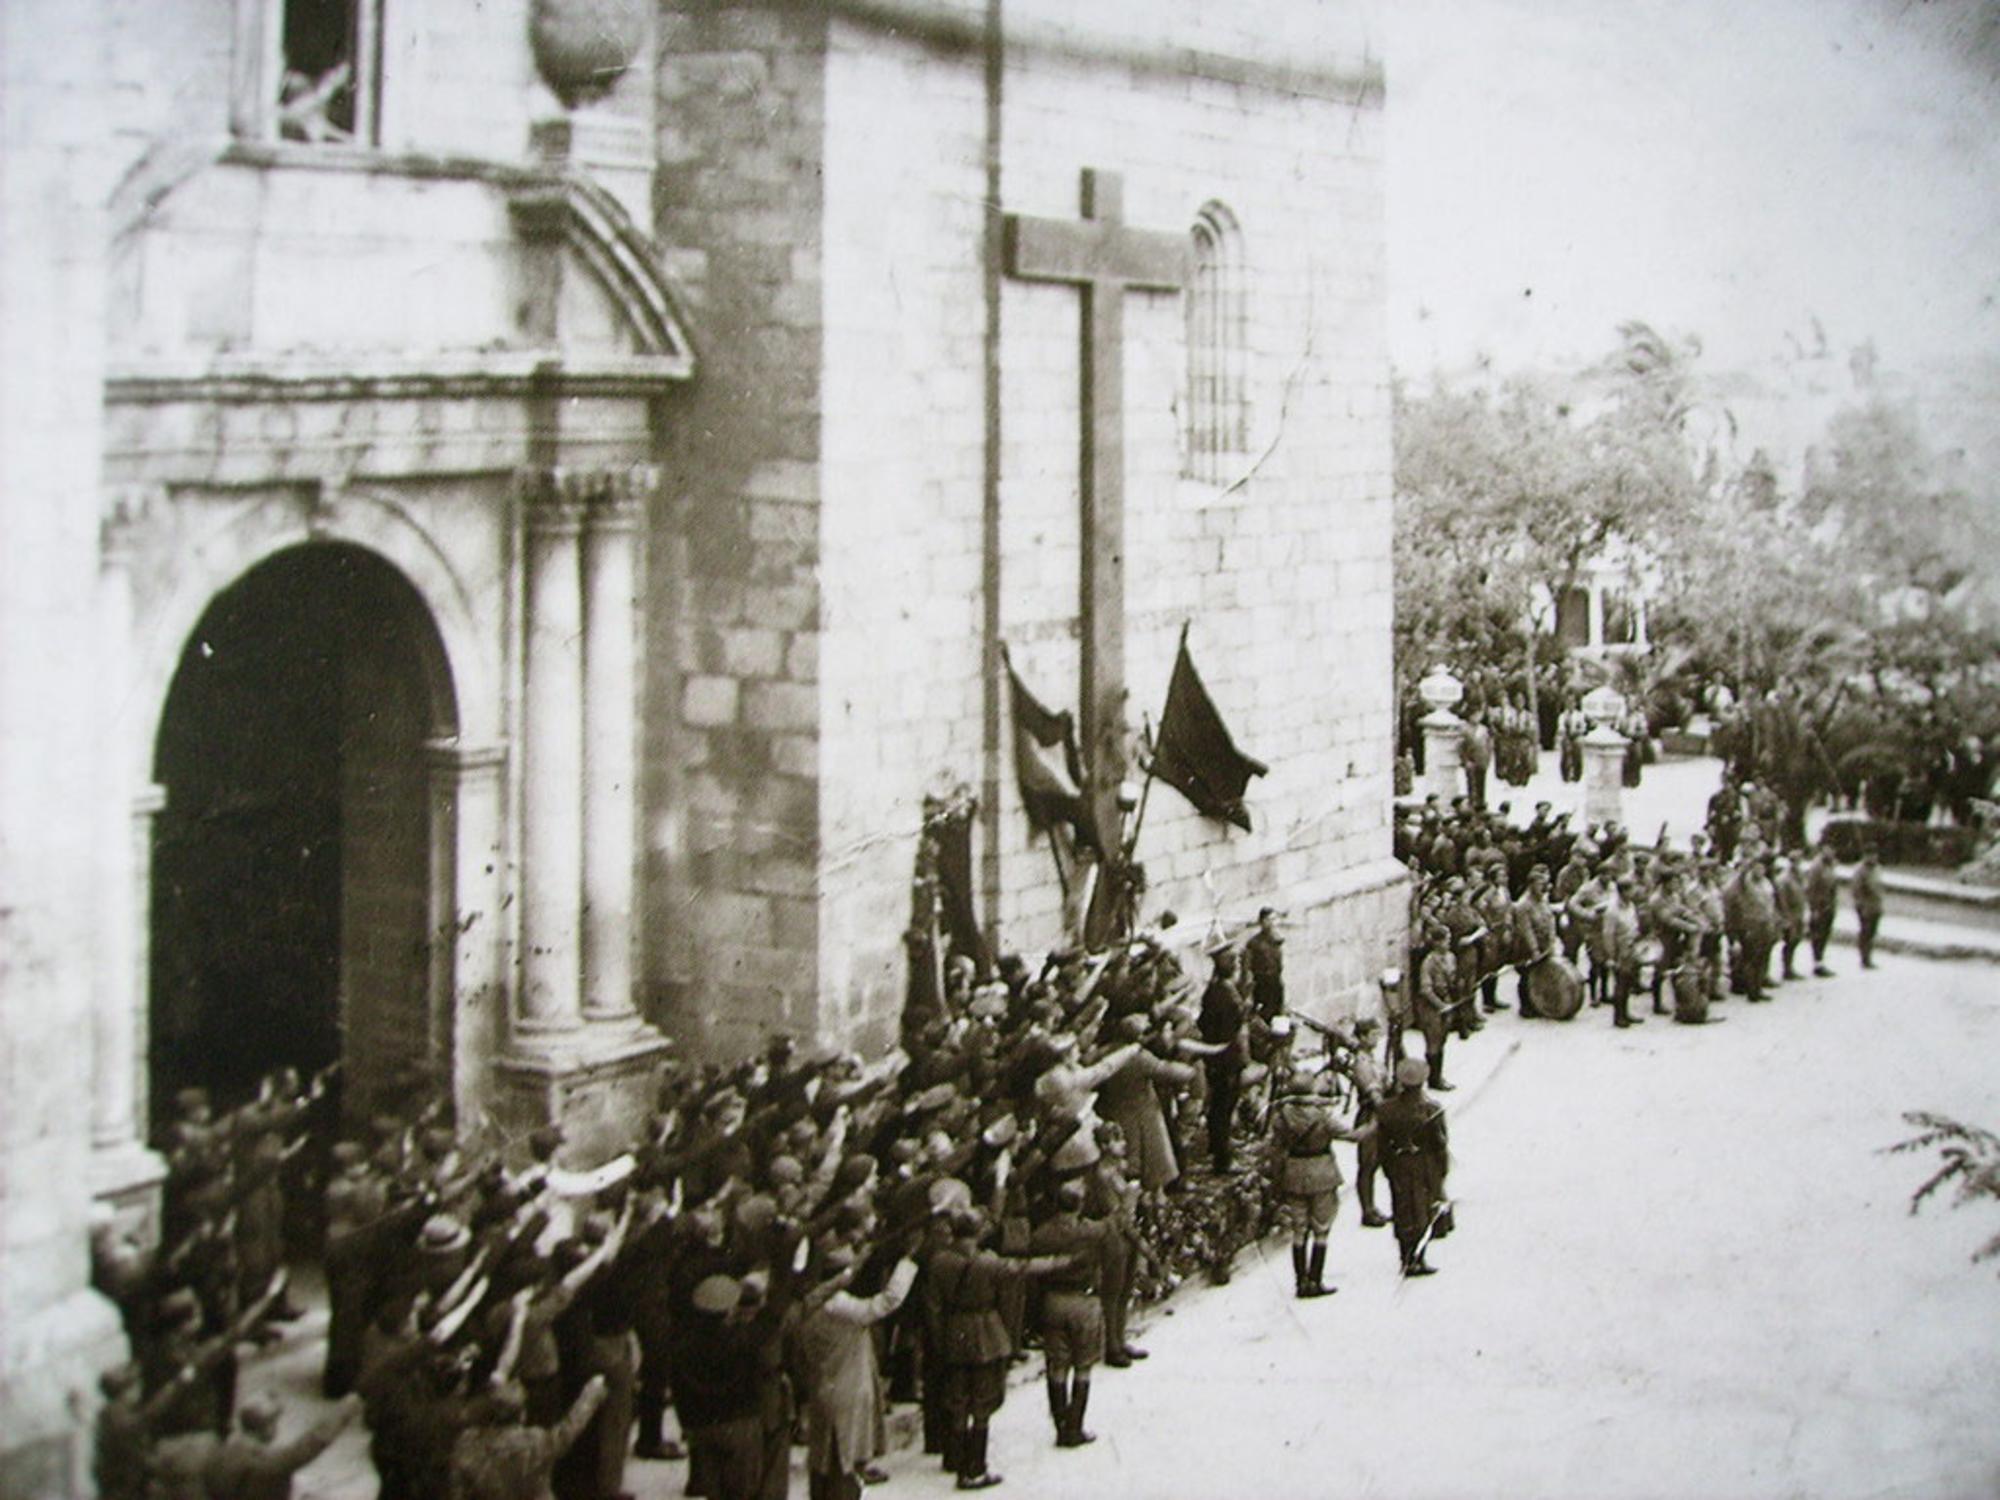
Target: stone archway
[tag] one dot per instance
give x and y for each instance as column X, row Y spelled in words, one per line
column 297, row 860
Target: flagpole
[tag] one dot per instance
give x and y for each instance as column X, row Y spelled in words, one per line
column 1145, row 795
column 1146, row 787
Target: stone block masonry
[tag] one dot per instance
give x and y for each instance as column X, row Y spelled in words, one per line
column 819, row 652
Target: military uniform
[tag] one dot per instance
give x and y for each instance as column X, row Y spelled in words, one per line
column 1307, row 1181
column 1415, row 1157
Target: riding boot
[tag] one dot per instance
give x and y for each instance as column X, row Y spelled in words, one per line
column 1298, row 1268
column 1079, row 1398
column 1316, row 1272
column 1059, row 1403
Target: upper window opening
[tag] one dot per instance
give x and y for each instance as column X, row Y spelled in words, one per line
column 1218, row 425
column 311, row 70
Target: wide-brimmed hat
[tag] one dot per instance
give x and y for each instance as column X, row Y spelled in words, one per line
column 443, row 1234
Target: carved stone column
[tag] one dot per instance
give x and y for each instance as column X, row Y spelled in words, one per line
column 468, row 892
column 610, row 731
column 123, row 1171
column 552, row 760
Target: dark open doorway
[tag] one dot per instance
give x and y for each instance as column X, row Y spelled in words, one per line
column 291, row 879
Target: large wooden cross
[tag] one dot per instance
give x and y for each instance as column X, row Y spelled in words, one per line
column 1105, row 258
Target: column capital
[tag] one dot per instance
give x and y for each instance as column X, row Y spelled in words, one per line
column 612, row 496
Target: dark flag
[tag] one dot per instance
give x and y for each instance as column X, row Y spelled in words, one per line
column 952, row 831
column 1193, row 752
column 1047, row 764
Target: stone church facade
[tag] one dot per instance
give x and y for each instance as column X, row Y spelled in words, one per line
column 503, row 540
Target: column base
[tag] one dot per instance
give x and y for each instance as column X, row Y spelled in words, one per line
column 598, row 1082
column 127, row 1178
column 48, row 1393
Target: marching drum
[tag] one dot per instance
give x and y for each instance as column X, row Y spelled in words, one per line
column 1555, row 988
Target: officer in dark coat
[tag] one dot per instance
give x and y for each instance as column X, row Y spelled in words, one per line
column 1264, row 954
column 1222, row 1024
column 1414, row 1145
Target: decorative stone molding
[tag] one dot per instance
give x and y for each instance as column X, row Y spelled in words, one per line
column 589, row 221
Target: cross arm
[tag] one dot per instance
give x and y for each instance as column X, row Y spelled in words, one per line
column 1095, row 251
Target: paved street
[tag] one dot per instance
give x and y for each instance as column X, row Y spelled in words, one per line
column 1684, row 1268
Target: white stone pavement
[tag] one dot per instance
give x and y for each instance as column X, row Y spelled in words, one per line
column 1684, row 1268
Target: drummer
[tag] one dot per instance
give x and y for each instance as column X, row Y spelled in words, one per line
column 1534, row 933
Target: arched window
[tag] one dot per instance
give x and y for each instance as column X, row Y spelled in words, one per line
column 1218, row 409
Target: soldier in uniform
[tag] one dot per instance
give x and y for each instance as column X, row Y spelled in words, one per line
column 1790, row 889
column 1868, row 905
column 1439, row 996
column 1534, row 933
column 1414, row 1142
column 1305, row 1176
column 1370, row 1086
column 963, row 1283
column 1822, row 897
column 1072, row 1315
column 1264, row 955
column 1757, row 926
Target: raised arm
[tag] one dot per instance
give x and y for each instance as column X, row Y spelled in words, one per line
column 290, row 1457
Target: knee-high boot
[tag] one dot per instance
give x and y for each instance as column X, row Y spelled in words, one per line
column 1316, row 1271
column 1079, row 1398
column 1059, row 1399
column 1299, row 1267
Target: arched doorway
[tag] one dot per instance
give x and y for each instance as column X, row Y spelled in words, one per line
column 292, row 876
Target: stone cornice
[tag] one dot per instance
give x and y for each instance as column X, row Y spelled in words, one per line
column 390, row 377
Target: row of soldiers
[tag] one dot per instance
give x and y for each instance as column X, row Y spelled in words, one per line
column 1589, row 914
column 793, row 1240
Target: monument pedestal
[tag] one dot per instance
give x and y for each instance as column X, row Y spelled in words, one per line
column 1603, row 776
column 1444, row 753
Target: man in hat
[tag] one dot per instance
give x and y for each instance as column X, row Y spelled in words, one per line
column 504, row 1459
column 1534, row 934
column 1414, row 1144
column 1305, row 1177
column 253, row 1465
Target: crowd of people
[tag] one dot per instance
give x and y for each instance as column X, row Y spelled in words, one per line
column 1586, row 914
column 795, row 1242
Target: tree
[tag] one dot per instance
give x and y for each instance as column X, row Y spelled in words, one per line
column 1971, row 1160
column 1500, row 492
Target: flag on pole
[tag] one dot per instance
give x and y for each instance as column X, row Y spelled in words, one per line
column 1047, row 764
column 1193, row 752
